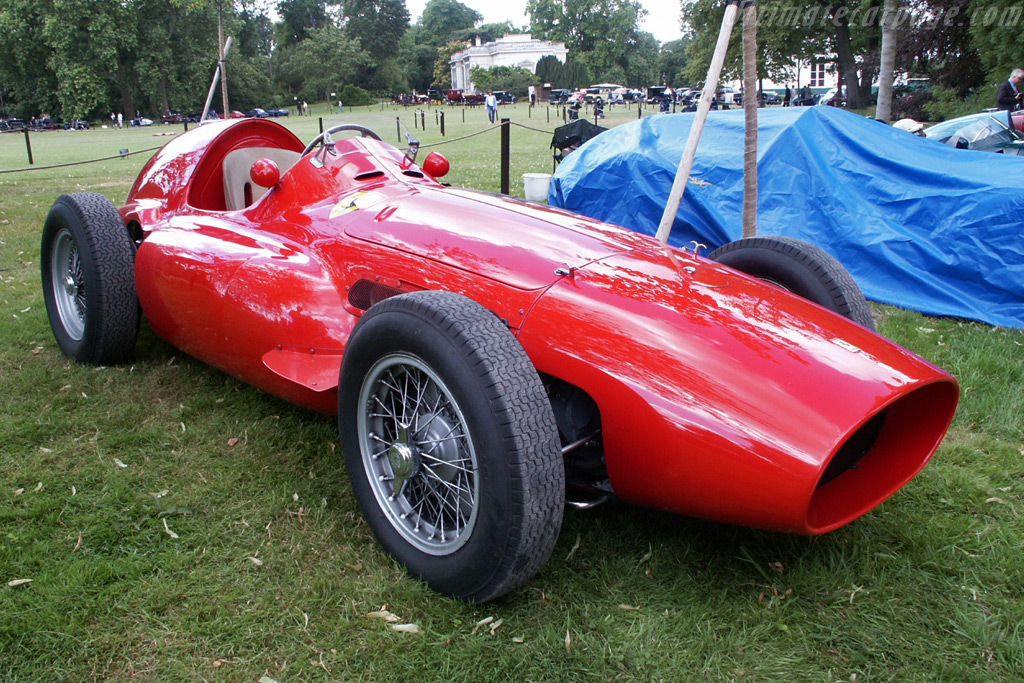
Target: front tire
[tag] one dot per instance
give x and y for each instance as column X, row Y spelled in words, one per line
column 88, row 270
column 451, row 444
column 801, row 268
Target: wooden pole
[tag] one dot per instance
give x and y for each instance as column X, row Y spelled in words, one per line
column 703, row 107
column 750, row 103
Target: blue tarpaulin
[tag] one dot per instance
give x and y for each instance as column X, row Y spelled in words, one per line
column 918, row 224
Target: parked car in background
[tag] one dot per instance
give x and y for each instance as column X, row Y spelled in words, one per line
column 986, row 132
column 833, row 97
column 235, row 114
column 141, row 121
column 504, row 97
column 257, row 113
column 559, row 96
column 77, row 124
column 11, row 125
column 278, row 111
column 771, row 97
column 171, row 117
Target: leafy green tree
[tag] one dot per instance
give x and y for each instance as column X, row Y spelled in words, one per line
column 441, row 18
column 377, row 25
column 995, row 30
column 514, row 79
column 549, row 69
column 442, row 68
column 486, row 32
column 354, row 96
column 299, row 19
column 603, row 35
column 417, row 60
column 672, row 63
column 316, row 67
column 30, row 84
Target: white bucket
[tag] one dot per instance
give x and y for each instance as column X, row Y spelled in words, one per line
column 536, row 186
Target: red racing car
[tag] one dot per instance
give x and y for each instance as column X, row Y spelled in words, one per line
column 490, row 359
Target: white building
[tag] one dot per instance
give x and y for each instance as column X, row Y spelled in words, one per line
column 514, row 49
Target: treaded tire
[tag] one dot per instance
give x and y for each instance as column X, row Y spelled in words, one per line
column 483, row 392
column 801, row 268
column 88, row 271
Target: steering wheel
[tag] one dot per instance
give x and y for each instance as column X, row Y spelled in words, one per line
column 323, row 137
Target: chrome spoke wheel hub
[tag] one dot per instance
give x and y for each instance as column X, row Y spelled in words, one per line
column 68, row 283
column 418, row 454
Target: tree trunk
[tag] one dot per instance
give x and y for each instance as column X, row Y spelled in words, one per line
column 750, row 101
column 887, row 62
column 847, row 64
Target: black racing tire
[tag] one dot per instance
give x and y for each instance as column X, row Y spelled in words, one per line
column 801, row 268
column 88, row 270
column 451, row 444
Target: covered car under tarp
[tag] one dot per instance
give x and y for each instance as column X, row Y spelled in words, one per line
column 919, row 224
column 569, row 137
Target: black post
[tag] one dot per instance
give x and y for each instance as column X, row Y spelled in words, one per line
column 28, row 146
column 506, row 128
column 463, row 113
column 442, row 124
column 185, row 121
column 415, row 121
column 423, row 120
column 549, row 114
column 321, row 124
column 398, row 129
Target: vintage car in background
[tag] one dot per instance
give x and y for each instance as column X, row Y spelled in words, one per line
column 490, row 359
column 992, row 131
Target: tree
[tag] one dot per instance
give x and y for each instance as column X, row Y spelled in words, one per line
column 672, row 63
column 299, row 19
column 995, row 29
column 377, row 25
column 845, row 31
column 549, row 69
column 602, row 35
column 514, row 79
column 323, row 64
column 887, row 62
column 441, row 18
column 442, row 68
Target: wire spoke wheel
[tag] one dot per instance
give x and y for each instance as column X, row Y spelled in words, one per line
column 68, row 284
column 87, row 261
column 450, row 443
column 418, row 455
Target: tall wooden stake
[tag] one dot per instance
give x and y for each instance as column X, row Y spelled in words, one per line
column 750, row 102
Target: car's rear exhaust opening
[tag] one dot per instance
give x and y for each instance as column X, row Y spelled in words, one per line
column 881, row 455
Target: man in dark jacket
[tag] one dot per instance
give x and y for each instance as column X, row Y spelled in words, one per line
column 1008, row 97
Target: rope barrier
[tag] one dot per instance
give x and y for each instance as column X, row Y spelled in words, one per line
column 79, row 163
column 151, row 149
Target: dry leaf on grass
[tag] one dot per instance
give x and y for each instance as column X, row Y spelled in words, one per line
column 18, row 582
column 385, row 615
column 406, row 628
column 233, row 441
column 168, row 530
column 256, row 561
column 482, row 622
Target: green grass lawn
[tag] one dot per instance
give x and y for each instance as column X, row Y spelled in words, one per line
column 178, row 525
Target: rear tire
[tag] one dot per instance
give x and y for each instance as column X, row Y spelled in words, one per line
column 801, row 268
column 88, row 270
column 451, row 444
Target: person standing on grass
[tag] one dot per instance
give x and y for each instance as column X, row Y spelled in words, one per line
column 1008, row 98
column 491, row 102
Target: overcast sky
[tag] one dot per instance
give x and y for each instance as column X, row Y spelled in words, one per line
column 662, row 15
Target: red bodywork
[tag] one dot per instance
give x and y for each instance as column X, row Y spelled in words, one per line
column 720, row 396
